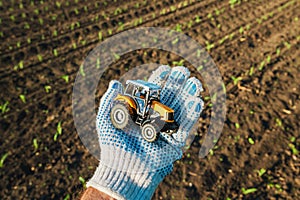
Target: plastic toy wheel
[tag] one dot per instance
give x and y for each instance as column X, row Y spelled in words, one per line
column 120, row 116
column 150, row 132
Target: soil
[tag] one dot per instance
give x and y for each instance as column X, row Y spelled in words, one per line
column 258, row 41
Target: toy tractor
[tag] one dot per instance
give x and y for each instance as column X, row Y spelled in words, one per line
column 141, row 104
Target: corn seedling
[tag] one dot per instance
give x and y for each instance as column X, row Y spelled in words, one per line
column 293, row 139
column 248, row 191
column 251, row 71
column 67, row 197
column 3, row 159
column 236, row 80
column 58, row 4
column 47, row 88
column 261, row 171
column 197, row 19
column 261, row 66
column 82, row 181
column 55, row 52
column 178, row 28
column 237, row 125
column 74, row 45
column 278, row 51
column 4, row 107
column 116, row 56
column 41, row 21
column 58, row 131
column 55, row 33
column 178, row 63
column 23, row 98
column 209, row 46
column 251, row 141
column 294, row 149
column 81, row 70
column 26, row 26
column 40, row 57
column 66, row 78
column 233, row 3
column 288, row 45
column 35, row 144
column 100, row 35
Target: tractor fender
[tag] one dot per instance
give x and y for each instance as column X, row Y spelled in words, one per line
column 127, row 99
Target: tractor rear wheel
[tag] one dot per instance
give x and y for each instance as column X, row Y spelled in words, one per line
column 120, row 115
column 150, row 132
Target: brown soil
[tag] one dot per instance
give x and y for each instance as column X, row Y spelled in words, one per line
column 255, row 40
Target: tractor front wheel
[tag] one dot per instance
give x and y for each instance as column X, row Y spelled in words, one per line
column 120, row 116
column 150, row 132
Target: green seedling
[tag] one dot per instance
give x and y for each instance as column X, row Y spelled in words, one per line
column 261, row 171
column 66, row 78
column 248, row 191
column 82, row 180
column 3, row 159
column 23, row 98
column 35, row 144
column 55, row 33
column 26, row 26
column 40, row 57
column 294, row 149
column 118, row 11
column 55, row 52
column 47, row 88
column 4, row 107
column 236, row 80
column 197, row 19
column 76, row 11
column 278, row 51
column 100, row 35
column 178, row 28
column 41, row 21
column 58, row 4
column 251, row 141
column 237, row 125
column 209, row 46
column 288, row 45
column 178, row 63
column 81, row 70
column 293, row 139
column 58, row 131
column 67, row 197
column 268, row 59
column 251, row 71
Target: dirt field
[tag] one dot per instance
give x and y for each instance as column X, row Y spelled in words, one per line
column 255, row 44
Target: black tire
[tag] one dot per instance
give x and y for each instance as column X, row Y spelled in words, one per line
column 150, row 132
column 120, row 115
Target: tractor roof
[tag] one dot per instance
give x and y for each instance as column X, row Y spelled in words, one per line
column 144, row 84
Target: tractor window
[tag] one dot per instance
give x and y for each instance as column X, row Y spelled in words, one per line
column 129, row 89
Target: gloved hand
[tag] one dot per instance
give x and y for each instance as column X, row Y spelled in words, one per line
column 130, row 167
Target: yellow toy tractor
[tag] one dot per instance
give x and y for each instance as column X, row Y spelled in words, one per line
column 141, row 104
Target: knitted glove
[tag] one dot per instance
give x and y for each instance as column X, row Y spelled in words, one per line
column 130, row 167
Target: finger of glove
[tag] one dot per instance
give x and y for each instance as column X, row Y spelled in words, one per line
column 114, row 88
column 174, row 83
column 192, row 87
column 189, row 117
column 159, row 76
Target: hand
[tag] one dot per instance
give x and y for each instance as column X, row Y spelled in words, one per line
column 130, row 167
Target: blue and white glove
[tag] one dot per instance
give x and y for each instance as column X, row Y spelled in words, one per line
column 130, row 167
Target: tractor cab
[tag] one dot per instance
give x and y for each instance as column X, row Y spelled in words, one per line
column 142, row 93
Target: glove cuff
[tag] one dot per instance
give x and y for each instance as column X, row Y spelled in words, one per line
column 125, row 185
